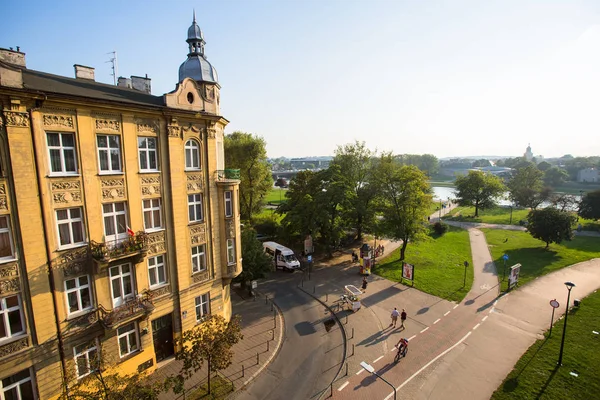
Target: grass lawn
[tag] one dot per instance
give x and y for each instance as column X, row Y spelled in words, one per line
column 535, row 260
column 220, row 389
column 438, row 262
column 276, row 196
column 267, row 213
column 496, row 215
column 536, row 375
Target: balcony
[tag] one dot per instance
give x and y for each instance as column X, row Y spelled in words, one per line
column 105, row 252
column 131, row 310
column 228, row 175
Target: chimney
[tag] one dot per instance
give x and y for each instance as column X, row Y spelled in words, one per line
column 83, row 72
column 141, row 84
column 124, row 82
column 13, row 57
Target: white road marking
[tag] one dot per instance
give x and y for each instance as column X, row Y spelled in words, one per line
column 492, row 310
column 343, row 386
column 447, row 312
column 377, row 359
column 424, row 330
column 428, row 364
column 496, row 302
column 484, row 318
column 359, row 372
column 456, row 306
column 412, row 337
column 436, row 321
column 476, row 326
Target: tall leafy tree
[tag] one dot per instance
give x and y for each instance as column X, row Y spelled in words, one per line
column 330, row 201
column 255, row 263
column 589, row 206
column 564, row 201
column 525, row 186
column 555, row 176
column 403, row 201
column 248, row 153
column 478, row 189
column 550, row 225
column 357, row 163
column 300, row 209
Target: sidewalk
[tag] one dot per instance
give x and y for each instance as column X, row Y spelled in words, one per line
column 262, row 327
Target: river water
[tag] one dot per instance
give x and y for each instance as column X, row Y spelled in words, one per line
column 443, row 193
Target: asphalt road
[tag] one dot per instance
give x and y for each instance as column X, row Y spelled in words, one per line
column 309, row 357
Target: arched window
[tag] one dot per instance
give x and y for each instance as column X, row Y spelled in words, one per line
column 192, row 155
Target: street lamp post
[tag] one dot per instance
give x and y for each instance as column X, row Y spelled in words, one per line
column 510, row 223
column 569, row 285
column 466, row 264
column 440, row 209
column 371, row 370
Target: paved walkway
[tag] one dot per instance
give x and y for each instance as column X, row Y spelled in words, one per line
column 262, row 327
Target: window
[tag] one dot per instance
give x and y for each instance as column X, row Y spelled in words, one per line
column 70, row 227
column 61, row 147
column 195, row 207
column 198, row 259
column 109, row 153
column 156, row 270
column 11, row 317
column 128, row 339
column 192, row 155
column 202, row 306
column 121, row 284
column 152, row 214
column 115, row 222
column 228, row 204
column 230, row 251
column 147, row 152
column 6, row 244
column 86, row 358
column 18, row 387
column 79, row 294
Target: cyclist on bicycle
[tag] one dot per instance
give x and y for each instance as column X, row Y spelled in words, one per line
column 402, row 345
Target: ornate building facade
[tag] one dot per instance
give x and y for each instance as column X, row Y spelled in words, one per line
column 119, row 224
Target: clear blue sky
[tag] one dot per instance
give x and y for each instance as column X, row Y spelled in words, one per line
column 449, row 78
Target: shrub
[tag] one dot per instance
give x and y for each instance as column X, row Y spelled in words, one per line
column 440, row 228
column 267, row 226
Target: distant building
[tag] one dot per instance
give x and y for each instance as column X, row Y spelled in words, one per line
column 588, row 175
column 494, row 170
column 528, row 153
column 310, row 162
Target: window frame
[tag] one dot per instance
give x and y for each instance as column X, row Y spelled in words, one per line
column 29, row 378
column 70, row 220
column 151, row 211
column 156, row 267
column 127, row 334
column 113, row 214
column 148, row 152
column 77, row 289
column 231, row 246
column 122, row 299
column 108, row 149
column 8, row 231
column 90, row 346
column 200, row 314
column 199, row 257
column 61, row 149
column 192, row 146
column 228, row 203
column 4, row 315
column 194, row 203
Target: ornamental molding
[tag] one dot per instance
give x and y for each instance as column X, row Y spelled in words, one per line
column 9, row 270
column 12, row 285
column 198, row 234
column 66, row 192
column 201, row 276
column 174, row 131
column 230, row 228
column 161, row 291
column 16, row 118
column 63, row 121
column 112, row 188
column 211, row 133
column 195, row 182
column 73, row 262
column 108, row 123
column 3, row 197
column 191, row 129
column 13, row 347
column 149, row 180
column 147, row 126
column 151, row 186
column 76, row 268
column 156, row 243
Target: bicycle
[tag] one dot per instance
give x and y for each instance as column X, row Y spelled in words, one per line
column 401, row 353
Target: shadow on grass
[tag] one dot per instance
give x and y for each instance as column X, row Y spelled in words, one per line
column 511, row 384
column 547, row 382
column 533, row 260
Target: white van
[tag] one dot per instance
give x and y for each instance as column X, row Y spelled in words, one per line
column 282, row 256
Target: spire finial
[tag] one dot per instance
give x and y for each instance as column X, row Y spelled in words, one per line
column 194, row 16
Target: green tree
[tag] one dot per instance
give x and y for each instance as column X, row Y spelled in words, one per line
column 248, row 153
column 211, row 342
column 563, row 201
column 550, row 225
column 403, row 201
column 330, row 202
column 482, row 162
column 526, row 185
column 255, row 263
column 300, row 208
column 544, row 166
column 478, row 189
column 357, row 163
column 555, row 176
column 589, row 206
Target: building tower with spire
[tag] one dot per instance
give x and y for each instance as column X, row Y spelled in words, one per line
column 528, row 153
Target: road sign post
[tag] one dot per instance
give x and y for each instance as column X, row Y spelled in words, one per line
column 505, row 258
column 554, row 305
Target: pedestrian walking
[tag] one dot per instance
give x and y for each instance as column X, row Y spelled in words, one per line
column 428, row 218
column 364, row 284
column 395, row 315
column 402, row 318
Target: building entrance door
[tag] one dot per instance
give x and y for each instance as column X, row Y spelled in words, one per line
column 162, row 336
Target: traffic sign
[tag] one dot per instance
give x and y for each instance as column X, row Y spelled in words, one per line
column 309, row 258
column 505, row 257
column 554, row 303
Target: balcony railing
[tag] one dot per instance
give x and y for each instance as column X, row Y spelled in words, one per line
column 131, row 310
column 106, row 252
column 228, row 175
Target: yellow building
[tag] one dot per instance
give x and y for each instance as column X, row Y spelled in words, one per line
column 119, row 224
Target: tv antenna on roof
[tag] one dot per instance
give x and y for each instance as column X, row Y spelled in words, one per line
column 115, row 67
